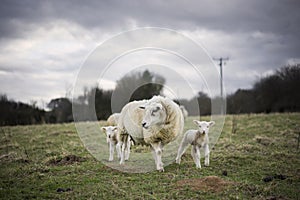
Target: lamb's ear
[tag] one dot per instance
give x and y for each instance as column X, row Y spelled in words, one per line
column 211, row 123
column 196, row 122
column 103, row 129
column 115, row 128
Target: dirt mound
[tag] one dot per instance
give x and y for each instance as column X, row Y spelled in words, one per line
column 263, row 140
column 209, row 183
column 67, row 160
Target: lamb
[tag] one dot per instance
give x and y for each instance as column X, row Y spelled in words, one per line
column 198, row 139
column 111, row 139
column 113, row 119
column 155, row 122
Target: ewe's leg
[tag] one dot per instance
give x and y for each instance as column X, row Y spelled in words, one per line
column 196, row 155
column 206, row 153
column 123, row 144
column 122, row 159
column 181, row 150
column 118, row 148
column 154, row 156
column 127, row 151
column 157, row 147
column 111, row 151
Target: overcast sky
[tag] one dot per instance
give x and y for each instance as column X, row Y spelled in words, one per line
column 43, row 44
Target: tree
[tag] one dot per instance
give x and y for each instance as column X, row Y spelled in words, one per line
column 137, row 86
column 198, row 105
column 279, row 92
column 14, row 113
column 102, row 101
column 61, row 110
column 242, row 101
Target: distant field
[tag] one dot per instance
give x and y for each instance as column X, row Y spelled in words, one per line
column 257, row 158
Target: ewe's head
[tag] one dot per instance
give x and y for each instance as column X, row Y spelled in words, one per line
column 155, row 114
column 204, row 126
column 109, row 131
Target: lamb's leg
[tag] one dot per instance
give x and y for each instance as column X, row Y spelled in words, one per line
column 182, row 148
column 193, row 152
column 196, row 155
column 206, row 153
column 157, row 147
column 111, row 151
column 127, row 151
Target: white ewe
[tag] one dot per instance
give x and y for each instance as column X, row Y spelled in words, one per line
column 198, row 139
column 154, row 122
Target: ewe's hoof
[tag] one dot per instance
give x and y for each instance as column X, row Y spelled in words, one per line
column 161, row 170
column 122, row 163
column 177, row 161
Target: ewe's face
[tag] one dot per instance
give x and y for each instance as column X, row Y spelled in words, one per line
column 110, row 131
column 204, row 126
column 155, row 114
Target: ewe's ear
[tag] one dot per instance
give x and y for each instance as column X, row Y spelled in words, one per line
column 211, row 123
column 196, row 122
column 103, row 129
column 142, row 107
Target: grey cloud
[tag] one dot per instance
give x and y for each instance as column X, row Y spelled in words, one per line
column 258, row 36
column 232, row 16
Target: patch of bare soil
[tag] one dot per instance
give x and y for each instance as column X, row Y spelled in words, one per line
column 67, row 160
column 209, row 183
column 263, row 140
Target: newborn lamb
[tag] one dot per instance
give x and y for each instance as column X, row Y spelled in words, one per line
column 198, row 139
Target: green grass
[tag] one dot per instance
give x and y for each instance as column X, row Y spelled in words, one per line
column 261, row 145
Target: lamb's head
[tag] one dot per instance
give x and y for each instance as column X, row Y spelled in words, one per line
column 155, row 115
column 109, row 131
column 203, row 126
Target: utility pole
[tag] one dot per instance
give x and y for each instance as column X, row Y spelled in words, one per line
column 221, row 61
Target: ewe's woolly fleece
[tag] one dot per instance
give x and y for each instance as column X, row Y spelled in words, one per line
column 132, row 116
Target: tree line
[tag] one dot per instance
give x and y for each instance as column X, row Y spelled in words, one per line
column 278, row 92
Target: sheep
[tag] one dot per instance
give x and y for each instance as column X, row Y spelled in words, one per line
column 184, row 111
column 111, row 139
column 155, row 122
column 198, row 139
column 113, row 119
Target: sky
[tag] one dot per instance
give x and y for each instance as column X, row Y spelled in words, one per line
column 44, row 45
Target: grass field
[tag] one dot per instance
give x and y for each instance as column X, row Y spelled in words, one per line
column 256, row 157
